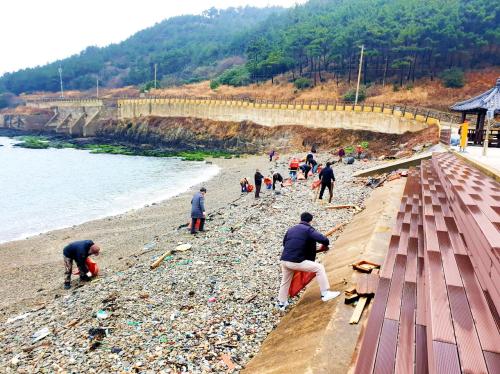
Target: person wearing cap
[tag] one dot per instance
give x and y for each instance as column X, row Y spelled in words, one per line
column 198, row 210
column 299, row 253
column 78, row 251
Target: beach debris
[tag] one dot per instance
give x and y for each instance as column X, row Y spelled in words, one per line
column 358, row 311
column 159, row 260
column 96, row 336
column 335, row 229
column 102, row 314
column 234, row 265
column 228, row 361
column 40, row 334
column 345, row 206
column 365, row 266
column 18, row 317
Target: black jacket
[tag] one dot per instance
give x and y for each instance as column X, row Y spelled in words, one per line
column 79, row 251
column 258, row 178
column 300, row 243
column 326, row 176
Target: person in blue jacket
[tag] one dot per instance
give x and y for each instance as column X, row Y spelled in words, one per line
column 78, row 251
column 198, row 210
column 299, row 253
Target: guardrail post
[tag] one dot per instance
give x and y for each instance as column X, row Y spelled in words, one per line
column 404, row 111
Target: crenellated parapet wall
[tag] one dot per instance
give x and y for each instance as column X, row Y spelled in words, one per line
column 393, row 119
column 51, row 103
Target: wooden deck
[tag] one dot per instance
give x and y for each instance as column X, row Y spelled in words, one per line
column 436, row 306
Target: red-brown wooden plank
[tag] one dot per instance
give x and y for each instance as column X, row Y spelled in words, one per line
column 421, row 363
column 493, row 362
column 485, row 324
column 439, row 325
column 445, row 358
column 395, row 293
column 469, row 348
column 405, row 354
column 368, row 350
column 450, row 268
column 384, row 363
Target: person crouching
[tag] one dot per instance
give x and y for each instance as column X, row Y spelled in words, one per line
column 299, row 253
column 78, row 251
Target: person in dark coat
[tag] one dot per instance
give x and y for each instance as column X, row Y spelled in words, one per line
column 327, row 181
column 78, row 251
column 258, row 182
column 299, row 254
column 198, row 210
column 305, row 169
column 271, row 155
column 277, row 178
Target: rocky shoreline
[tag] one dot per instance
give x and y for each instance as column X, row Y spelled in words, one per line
column 204, row 310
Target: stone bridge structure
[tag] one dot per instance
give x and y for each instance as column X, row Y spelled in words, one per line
column 82, row 117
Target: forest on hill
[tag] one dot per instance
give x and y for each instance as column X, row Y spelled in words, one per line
column 403, row 40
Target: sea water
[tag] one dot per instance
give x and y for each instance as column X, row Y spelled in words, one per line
column 47, row 189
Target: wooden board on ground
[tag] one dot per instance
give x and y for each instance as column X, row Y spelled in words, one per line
column 159, row 260
column 356, row 315
column 347, row 206
column 336, row 228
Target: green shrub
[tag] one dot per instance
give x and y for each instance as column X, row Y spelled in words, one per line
column 453, row 78
column 236, row 76
column 350, row 96
column 214, row 84
column 149, row 85
column 302, row 83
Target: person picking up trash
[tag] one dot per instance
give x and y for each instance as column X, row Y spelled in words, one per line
column 299, row 253
column 78, row 251
column 198, row 210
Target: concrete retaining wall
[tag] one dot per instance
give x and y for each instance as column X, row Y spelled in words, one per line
column 274, row 114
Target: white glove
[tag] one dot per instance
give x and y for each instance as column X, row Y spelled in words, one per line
column 89, row 274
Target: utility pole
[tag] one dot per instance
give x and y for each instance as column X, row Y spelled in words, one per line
column 359, row 74
column 60, row 79
column 155, row 76
column 97, row 87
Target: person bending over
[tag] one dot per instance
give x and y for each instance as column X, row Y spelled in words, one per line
column 78, row 251
column 299, row 253
column 277, row 178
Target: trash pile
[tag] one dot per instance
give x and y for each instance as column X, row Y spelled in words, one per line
column 206, row 308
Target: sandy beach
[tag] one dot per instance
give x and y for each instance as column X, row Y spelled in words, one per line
column 32, row 269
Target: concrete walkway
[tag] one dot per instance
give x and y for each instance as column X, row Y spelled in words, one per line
column 475, row 153
column 316, row 337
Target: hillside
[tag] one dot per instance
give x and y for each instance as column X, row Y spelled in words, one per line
column 404, row 40
column 184, row 48
column 423, row 92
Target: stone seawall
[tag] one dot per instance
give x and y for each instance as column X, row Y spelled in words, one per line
column 347, row 117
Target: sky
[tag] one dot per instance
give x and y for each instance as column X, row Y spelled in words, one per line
column 35, row 32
